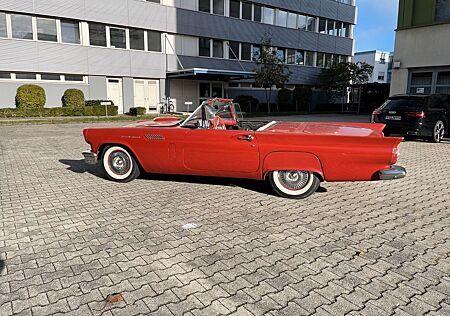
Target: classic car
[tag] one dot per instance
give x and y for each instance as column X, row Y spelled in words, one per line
column 214, row 141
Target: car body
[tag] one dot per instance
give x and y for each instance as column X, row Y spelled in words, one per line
column 425, row 116
column 214, row 141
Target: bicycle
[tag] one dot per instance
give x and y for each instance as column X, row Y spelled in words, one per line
column 166, row 106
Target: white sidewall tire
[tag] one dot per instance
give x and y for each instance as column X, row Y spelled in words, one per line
column 107, row 168
column 286, row 191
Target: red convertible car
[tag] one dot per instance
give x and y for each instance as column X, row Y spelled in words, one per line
column 213, row 141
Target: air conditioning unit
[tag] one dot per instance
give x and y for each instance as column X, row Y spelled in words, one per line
column 397, row 65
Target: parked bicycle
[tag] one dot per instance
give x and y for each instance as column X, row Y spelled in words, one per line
column 166, row 106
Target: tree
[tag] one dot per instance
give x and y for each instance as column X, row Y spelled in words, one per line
column 270, row 71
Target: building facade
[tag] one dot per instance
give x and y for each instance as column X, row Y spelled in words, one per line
column 135, row 52
column 421, row 63
column 381, row 62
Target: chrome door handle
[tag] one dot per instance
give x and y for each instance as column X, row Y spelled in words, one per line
column 248, row 138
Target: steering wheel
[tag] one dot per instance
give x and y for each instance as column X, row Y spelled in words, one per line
column 218, row 123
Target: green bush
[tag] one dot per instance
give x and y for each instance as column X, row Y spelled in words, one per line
column 73, row 98
column 98, row 110
column 30, row 96
column 138, row 111
column 302, row 97
column 98, row 102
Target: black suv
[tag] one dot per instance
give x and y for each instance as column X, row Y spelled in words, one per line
column 415, row 115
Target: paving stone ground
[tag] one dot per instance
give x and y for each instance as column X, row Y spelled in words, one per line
column 69, row 238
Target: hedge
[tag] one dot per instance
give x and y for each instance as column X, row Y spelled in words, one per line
column 98, row 102
column 73, row 98
column 98, row 110
column 30, row 96
column 138, row 111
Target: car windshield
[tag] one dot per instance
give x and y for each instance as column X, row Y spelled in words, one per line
column 214, row 114
column 407, row 104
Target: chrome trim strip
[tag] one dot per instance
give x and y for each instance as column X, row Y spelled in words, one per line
column 263, row 128
column 395, row 172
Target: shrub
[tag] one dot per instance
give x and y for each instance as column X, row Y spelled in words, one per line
column 302, row 97
column 73, row 98
column 98, row 110
column 247, row 103
column 98, row 102
column 30, row 96
column 138, row 111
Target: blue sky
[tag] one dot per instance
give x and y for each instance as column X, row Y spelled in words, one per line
column 377, row 20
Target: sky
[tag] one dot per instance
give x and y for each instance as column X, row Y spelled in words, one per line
column 377, row 20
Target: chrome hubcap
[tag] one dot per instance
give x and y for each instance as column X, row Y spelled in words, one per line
column 119, row 162
column 439, row 131
column 293, row 180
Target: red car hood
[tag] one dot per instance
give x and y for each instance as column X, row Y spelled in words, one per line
column 326, row 128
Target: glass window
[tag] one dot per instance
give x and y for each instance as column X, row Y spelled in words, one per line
column 70, row 32
column 280, row 55
column 256, row 53
column 218, row 7
column 290, row 56
column 46, row 30
column 302, row 22
column 22, row 27
column 216, row 90
column 205, row 90
column 299, row 58
column 322, row 26
column 137, row 39
column 309, row 59
column 247, row 11
column 233, row 50
column 235, row 8
column 320, row 60
column 338, row 28
column 5, row 75
column 311, row 24
column 257, row 13
column 330, row 27
column 204, row 6
column 118, row 38
column 155, row 1
column 442, row 10
column 246, row 53
column 97, row 34
column 3, row 32
column 217, row 48
column 345, row 30
column 25, row 76
column 292, row 20
column 154, row 41
column 77, row 78
column 269, row 15
column 204, row 45
column 328, row 60
column 52, row 77
column 281, row 18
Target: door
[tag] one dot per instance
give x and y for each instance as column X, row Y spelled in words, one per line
column 115, row 93
column 221, row 151
column 146, row 94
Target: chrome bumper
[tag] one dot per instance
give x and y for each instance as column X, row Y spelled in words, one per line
column 89, row 157
column 394, row 172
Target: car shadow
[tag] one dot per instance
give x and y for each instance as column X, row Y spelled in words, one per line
column 79, row 166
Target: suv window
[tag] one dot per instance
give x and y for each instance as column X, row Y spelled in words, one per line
column 438, row 101
column 405, row 104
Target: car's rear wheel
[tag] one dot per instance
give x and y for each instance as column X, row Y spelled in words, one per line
column 438, row 132
column 119, row 164
column 295, row 184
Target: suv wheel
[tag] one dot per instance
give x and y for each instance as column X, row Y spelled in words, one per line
column 438, row 132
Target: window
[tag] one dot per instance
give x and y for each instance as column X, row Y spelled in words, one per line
column 299, row 58
column 330, row 27
column 257, row 13
column 292, row 20
column 320, row 60
column 205, row 90
column 75, row 78
column 137, row 39
column 256, row 53
column 217, row 49
column 233, row 50
column 154, row 41
column 25, row 76
column 322, row 26
column 247, row 11
column 280, row 55
column 204, row 45
column 421, row 83
column 70, row 32
column 269, row 15
column 311, row 24
column 381, row 76
column 51, row 77
column 204, row 6
column 118, row 37
column 216, row 90
column 328, row 60
column 155, row 1
column 5, row 75
column 246, row 53
column 218, row 7
column 235, row 9
column 302, row 22
column 3, row 32
column 22, row 27
column 290, row 56
column 46, row 30
column 442, row 11
column 338, row 28
column 443, row 83
column 309, row 59
column 345, row 30
column 97, row 34
column 281, row 18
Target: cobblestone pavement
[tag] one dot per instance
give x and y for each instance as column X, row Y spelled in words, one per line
column 194, row 246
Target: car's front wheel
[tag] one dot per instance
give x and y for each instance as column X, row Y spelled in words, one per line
column 119, row 164
column 295, row 184
column 438, row 132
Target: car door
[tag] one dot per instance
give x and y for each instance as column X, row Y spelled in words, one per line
column 211, row 151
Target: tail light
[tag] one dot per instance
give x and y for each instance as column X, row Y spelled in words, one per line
column 415, row 114
column 395, row 155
